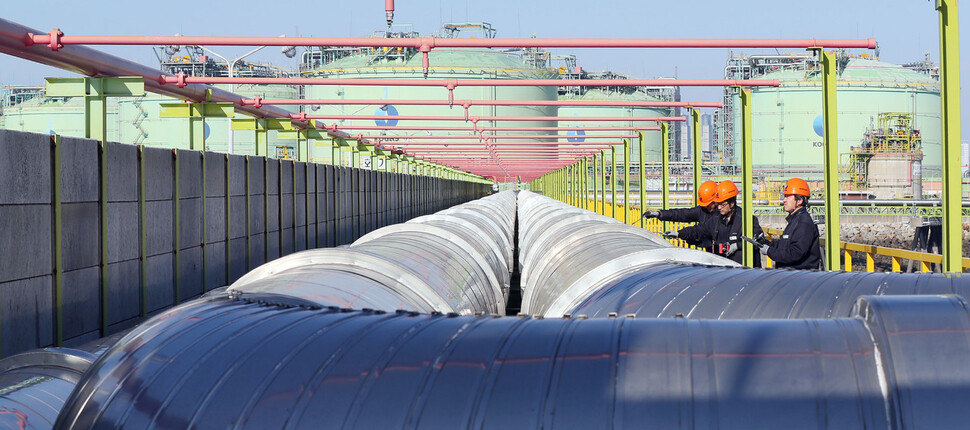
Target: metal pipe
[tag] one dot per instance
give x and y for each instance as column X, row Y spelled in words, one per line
column 481, row 129
column 891, row 363
column 475, row 119
column 489, row 137
column 90, row 62
column 450, row 84
column 564, row 251
column 374, row 273
column 467, row 103
column 55, row 39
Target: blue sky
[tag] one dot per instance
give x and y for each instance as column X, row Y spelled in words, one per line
column 905, row 29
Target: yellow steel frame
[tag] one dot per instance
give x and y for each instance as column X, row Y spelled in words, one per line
column 950, row 113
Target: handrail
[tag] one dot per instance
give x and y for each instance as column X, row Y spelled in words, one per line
column 925, row 259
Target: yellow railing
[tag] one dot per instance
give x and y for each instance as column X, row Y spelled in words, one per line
column 924, row 259
column 870, row 252
column 652, row 224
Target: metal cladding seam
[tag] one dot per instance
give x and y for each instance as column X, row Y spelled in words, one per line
column 565, row 252
column 445, row 260
column 35, row 385
column 478, row 239
column 440, row 264
column 696, row 291
column 231, row 363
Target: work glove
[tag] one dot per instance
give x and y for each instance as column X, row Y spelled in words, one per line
column 671, row 234
column 731, row 249
column 650, row 214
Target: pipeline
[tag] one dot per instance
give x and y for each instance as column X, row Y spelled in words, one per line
column 578, row 273
column 281, row 347
column 240, row 363
column 445, row 263
column 566, row 252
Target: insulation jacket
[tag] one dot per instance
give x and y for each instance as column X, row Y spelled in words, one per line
column 231, row 363
column 446, row 261
column 34, row 385
column 565, row 253
column 479, row 240
column 708, row 292
column 344, row 278
column 452, row 261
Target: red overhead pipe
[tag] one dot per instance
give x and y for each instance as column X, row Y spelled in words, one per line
column 471, row 144
column 181, row 80
column 389, row 12
column 475, row 119
column 398, row 137
column 441, row 128
column 55, row 39
column 258, row 101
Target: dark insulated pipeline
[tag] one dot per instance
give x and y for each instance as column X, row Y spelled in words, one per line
column 899, row 362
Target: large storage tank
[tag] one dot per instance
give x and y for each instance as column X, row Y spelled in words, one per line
column 652, row 139
column 136, row 121
column 465, row 63
column 786, row 120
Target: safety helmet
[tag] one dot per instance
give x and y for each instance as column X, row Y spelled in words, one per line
column 725, row 190
column 797, row 187
column 706, row 193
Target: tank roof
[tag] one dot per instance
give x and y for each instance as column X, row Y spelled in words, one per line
column 861, row 71
column 597, row 94
column 465, row 58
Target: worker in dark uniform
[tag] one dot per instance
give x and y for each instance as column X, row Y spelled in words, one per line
column 724, row 230
column 706, row 208
column 798, row 246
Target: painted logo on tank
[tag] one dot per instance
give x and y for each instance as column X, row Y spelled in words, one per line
column 817, row 125
column 576, row 133
column 389, row 111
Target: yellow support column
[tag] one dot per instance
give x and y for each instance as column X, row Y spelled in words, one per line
column 642, row 181
column 695, row 115
column 830, row 145
column 626, row 181
column 747, row 177
column 664, row 166
column 601, row 191
column 613, row 182
column 950, row 94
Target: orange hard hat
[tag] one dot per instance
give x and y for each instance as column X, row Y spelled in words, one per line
column 706, row 193
column 797, row 187
column 725, row 190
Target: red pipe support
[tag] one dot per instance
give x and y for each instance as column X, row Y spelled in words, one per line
column 35, row 38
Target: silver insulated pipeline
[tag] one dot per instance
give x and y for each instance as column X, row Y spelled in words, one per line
column 452, row 261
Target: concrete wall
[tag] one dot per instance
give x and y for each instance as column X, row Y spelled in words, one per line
column 92, row 242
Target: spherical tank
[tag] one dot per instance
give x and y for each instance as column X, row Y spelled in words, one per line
column 444, row 64
column 784, row 137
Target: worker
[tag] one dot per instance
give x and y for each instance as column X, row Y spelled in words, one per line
column 705, row 209
column 798, row 246
column 724, row 230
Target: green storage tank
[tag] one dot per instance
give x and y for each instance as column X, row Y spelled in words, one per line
column 466, row 63
column 786, row 120
column 652, row 139
column 136, row 121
